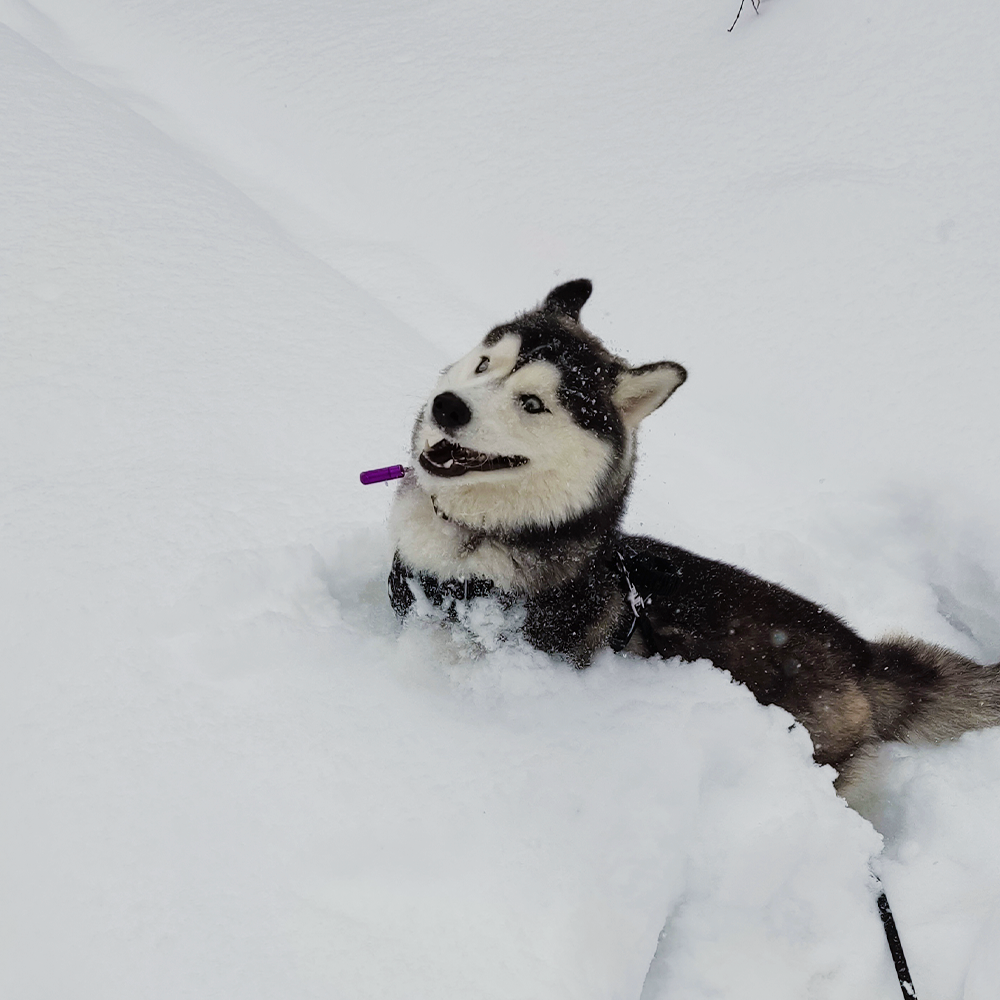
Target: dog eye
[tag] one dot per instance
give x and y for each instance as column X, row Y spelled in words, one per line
column 484, row 363
column 532, row 404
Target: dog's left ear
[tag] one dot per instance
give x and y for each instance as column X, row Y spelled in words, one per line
column 641, row 390
column 568, row 299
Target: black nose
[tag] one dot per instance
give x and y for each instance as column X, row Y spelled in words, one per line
column 450, row 411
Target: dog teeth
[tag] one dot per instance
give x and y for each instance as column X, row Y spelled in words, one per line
column 448, row 464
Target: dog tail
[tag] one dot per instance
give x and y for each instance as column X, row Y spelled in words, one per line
column 922, row 692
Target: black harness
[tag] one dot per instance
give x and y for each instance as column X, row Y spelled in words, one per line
column 440, row 593
column 637, row 605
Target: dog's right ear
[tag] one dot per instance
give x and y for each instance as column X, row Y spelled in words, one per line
column 568, row 299
column 641, row 390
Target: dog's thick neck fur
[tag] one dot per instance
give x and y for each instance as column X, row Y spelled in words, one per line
column 524, row 560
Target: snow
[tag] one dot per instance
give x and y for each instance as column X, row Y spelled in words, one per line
column 238, row 241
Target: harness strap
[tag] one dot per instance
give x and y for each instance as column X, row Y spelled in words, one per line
column 638, row 604
column 635, row 602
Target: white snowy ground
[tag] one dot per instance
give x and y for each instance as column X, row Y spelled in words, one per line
column 236, row 242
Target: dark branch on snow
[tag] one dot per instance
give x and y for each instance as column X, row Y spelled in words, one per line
column 756, row 10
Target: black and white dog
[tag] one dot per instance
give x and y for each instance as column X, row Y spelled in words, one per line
column 523, row 458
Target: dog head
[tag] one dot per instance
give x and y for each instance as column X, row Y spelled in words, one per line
column 536, row 426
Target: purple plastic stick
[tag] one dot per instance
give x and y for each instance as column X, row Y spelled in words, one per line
column 383, row 475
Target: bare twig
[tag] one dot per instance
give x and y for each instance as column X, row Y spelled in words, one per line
column 756, row 10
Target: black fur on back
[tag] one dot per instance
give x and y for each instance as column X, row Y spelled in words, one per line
column 848, row 692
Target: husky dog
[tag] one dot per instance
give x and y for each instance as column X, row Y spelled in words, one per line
column 523, row 459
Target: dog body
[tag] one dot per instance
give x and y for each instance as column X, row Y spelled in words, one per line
column 523, row 462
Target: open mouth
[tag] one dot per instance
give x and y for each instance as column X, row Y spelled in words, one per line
column 449, row 459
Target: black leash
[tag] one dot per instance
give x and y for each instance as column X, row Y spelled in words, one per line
column 895, row 947
column 639, row 618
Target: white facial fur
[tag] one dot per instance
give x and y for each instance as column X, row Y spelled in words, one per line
column 455, row 527
column 565, row 466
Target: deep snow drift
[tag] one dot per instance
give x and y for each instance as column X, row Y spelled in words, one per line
column 238, row 240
